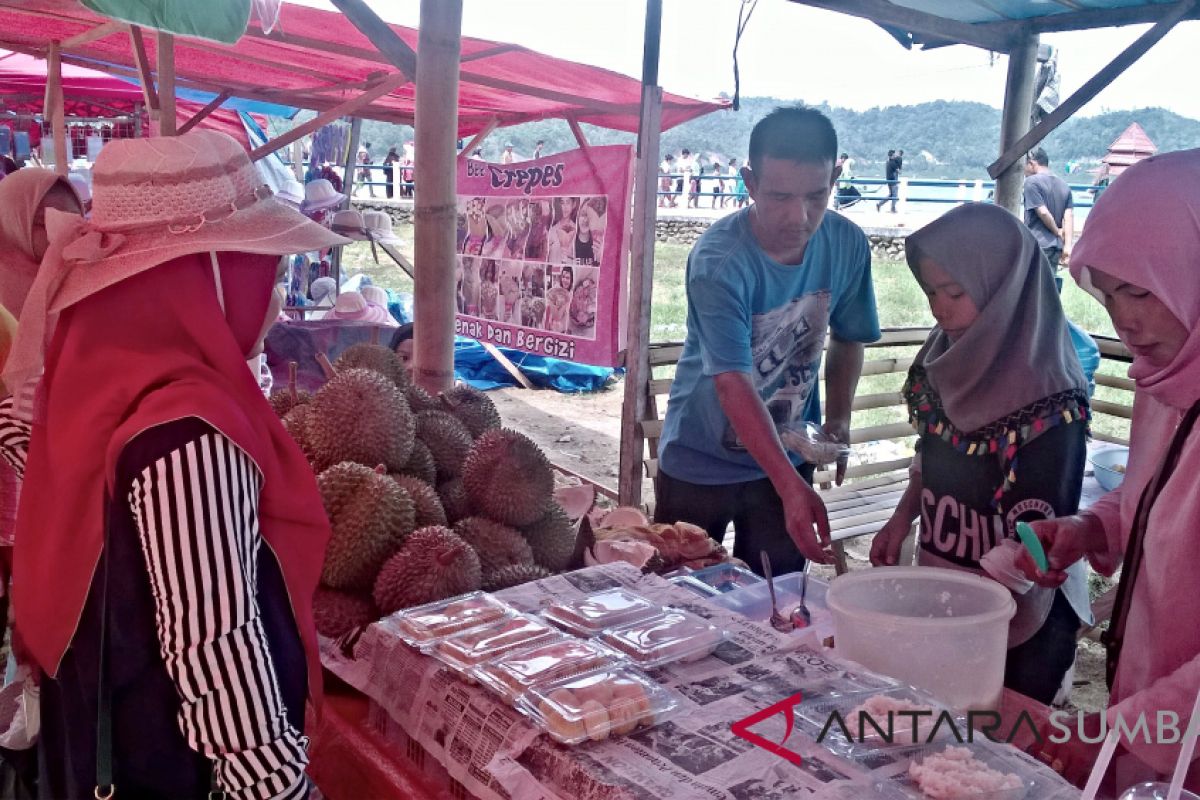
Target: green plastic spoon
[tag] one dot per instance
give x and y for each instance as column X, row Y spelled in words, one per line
column 1033, row 545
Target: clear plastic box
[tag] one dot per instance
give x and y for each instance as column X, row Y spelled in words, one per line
column 726, row 577
column 692, row 585
column 423, row 626
column 980, row 778
column 512, row 674
column 474, row 646
column 596, row 705
column 589, row 615
column 886, row 720
column 671, row 636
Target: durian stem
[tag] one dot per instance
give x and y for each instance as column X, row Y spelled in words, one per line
column 448, row 556
column 326, row 366
column 292, row 367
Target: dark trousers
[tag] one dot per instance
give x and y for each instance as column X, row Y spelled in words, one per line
column 391, row 181
column 754, row 508
column 1036, row 667
column 893, row 196
column 1053, row 254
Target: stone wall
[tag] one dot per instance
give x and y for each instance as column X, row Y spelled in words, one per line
column 400, row 211
column 886, row 243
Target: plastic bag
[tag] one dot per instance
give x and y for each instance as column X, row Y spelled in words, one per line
column 813, row 444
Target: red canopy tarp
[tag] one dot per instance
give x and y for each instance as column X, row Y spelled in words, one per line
column 317, row 59
column 91, row 94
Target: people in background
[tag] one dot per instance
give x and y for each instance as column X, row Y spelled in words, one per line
column 895, row 163
column 508, row 156
column 1049, row 210
column 389, row 162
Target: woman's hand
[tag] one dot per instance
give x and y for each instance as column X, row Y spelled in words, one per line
column 1065, row 541
column 1074, row 758
column 885, row 547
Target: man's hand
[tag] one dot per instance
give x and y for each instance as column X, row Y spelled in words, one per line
column 839, row 430
column 807, row 521
column 885, row 547
column 1064, row 259
column 1066, row 541
column 1073, row 759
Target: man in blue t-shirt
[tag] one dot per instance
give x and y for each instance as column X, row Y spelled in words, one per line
column 763, row 286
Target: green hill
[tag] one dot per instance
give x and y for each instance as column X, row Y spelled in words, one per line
column 940, row 139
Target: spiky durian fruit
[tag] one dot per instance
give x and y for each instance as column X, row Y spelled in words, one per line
column 360, row 416
column 447, row 439
column 296, row 424
column 336, row 612
column 513, row 575
column 552, row 539
column 472, row 408
column 284, row 401
column 454, row 499
column 420, row 400
column 377, row 358
column 370, row 516
column 425, row 500
column 497, row 545
column 421, row 464
column 434, row 563
column 508, row 478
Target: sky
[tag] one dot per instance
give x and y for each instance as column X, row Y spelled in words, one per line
column 795, row 52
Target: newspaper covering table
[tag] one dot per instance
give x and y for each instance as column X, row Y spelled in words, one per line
column 497, row 754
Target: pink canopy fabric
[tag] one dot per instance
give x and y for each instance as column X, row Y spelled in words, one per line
column 88, row 93
column 317, row 59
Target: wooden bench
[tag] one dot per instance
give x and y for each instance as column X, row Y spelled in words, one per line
column 873, row 488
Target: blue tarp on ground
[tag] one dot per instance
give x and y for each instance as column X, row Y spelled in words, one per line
column 474, row 365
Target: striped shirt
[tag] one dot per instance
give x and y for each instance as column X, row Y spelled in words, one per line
column 196, row 512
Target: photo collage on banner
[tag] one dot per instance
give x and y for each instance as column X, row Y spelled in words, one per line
column 542, row 251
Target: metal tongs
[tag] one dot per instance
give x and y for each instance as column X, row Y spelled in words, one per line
column 799, row 618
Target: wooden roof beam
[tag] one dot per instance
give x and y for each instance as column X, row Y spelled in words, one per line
column 886, row 13
column 95, row 34
column 397, row 51
column 200, row 115
column 1094, row 86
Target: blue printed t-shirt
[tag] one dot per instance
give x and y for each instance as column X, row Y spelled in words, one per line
column 749, row 313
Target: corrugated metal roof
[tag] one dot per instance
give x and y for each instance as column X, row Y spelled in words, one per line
column 976, row 11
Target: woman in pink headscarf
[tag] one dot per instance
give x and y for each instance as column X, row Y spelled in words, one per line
column 24, row 197
column 1140, row 255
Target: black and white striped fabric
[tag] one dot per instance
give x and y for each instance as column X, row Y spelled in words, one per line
column 14, row 437
column 196, row 511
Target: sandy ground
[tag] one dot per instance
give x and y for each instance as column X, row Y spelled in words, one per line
column 583, row 433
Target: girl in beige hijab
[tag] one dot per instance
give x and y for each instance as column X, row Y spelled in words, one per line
column 25, row 196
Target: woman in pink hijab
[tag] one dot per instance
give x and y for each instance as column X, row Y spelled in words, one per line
column 1140, row 255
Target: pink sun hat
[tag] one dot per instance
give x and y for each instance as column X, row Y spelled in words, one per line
column 353, row 307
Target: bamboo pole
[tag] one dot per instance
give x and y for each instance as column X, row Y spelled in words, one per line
column 641, row 265
column 436, row 202
column 1018, row 105
column 165, row 55
column 203, row 113
column 53, row 108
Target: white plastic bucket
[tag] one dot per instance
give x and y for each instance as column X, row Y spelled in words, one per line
column 937, row 629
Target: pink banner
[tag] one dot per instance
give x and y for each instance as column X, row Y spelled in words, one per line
column 543, row 249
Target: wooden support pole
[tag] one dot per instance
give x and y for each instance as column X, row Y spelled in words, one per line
column 348, row 169
column 1018, row 147
column 53, row 108
column 478, row 139
column 165, row 53
column 1014, row 122
column 145, row 74
column 437, row 202
column 641, row 266
column 200, row 115
column 341, row 110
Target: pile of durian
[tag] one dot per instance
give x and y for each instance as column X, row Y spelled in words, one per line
column 428, row 497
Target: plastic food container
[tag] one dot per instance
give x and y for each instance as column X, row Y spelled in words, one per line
column 589, row 615
column 423, row 626
column 975, row 771
column 812, row 444
column 692, row 585
column 1109, row 466
column 726, row 577
column 937, row 629
column 466, row 649
column 512, row 674
column 609, row 702
column 877, row 719
column 671, row 636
